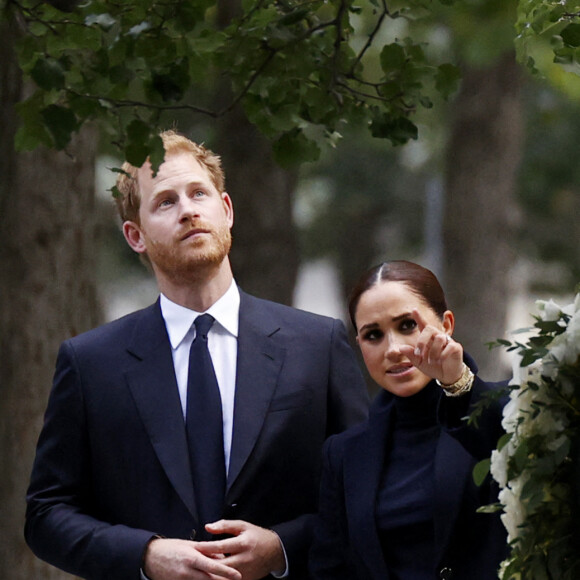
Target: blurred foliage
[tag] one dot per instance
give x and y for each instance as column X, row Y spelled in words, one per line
column 361, row 205
column 307, row 74
column 558, row 22
column 292, row 66
column 481, row 30
column 549, row 184
column 369, row 196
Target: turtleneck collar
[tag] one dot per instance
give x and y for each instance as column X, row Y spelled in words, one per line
column 420, row 408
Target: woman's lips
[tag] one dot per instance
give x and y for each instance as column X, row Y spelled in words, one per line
column 400, row 369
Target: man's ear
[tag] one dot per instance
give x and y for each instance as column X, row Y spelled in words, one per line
column 228, row 208
column 134, row 237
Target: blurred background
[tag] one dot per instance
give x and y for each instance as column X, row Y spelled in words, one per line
column 488, row 197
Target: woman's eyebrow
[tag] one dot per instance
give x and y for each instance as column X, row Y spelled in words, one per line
column 369, row 325
column 401, row 316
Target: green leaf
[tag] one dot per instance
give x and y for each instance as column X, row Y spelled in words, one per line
column 521, row 456
column 294, row 17
column 136, row 153
column 138, row 130
column 503, row 440
column 489, row 509
column 48, row 74
column 392, row 57
column 29, row 137
column 571, row 35
column 398, row 130
column 156, row 152
column 548, row 326
column 294, row 148
column 61, row 123
column 143, row 143
column 481, row 471
column 172, row 82
column 529, row 356
column 447, row 79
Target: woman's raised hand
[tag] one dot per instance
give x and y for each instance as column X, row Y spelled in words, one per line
column 435, row 353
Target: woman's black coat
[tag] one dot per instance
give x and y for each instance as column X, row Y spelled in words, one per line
column 468, row 545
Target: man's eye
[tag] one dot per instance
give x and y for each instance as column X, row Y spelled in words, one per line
column 165, row 202
column 199, row 193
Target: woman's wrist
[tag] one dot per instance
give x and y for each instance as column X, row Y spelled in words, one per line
column 461, row 385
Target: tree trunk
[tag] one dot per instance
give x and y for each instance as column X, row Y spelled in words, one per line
column 48, row 289
column 481, row 212
column 265, row 255
column 265, row 247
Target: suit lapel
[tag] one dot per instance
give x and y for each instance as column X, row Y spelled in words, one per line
column 362, row 476
column 154, row 389
column 258, row 366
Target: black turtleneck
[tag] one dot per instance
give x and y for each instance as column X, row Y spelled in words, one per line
column 404, row 508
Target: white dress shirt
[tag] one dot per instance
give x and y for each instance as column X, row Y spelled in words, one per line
column 223, row 347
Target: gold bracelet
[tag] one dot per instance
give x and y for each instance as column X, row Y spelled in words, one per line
column 461, row 385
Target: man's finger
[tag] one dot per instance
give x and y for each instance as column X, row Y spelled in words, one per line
column 233, row 527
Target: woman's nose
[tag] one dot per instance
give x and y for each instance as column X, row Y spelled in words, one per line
column 392, row 348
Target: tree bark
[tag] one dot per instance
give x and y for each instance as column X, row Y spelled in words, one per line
column 265, row 253
column 48, row 289
column 481, row 211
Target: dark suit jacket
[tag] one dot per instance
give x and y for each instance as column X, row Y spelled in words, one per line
column 469, row 546
column 112, row 469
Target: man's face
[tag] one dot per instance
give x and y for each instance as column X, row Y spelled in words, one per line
column 184, row 221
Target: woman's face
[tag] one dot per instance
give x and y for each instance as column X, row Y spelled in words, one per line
column 384, row 321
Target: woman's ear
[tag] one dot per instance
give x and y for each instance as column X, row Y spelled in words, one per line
column 448, row 322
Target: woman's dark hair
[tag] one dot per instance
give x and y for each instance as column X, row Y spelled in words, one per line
column 419, row 280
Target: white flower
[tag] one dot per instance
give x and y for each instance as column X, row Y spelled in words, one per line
column 503, row 567
column 557, row 442
column 513, row 516
column 549, row 310
column 565, row 348
column 522, row 375
column 567, row 387
column 510, row 414
column 498, row 465
column 573, row 338
column 574, row 307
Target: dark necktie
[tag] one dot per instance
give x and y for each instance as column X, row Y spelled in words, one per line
column 204, row 426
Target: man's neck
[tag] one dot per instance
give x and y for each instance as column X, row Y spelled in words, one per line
column 199, row 291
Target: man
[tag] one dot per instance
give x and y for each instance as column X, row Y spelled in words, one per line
column 117, row 490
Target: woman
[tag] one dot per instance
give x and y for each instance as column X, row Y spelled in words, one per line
column 398, row 500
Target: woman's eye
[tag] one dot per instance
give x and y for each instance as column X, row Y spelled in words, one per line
column 372, row 335
column 408, row 325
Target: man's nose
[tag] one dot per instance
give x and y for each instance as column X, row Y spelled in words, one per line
column 188, row 209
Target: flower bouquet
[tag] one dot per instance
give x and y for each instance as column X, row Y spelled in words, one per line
column 537, row 462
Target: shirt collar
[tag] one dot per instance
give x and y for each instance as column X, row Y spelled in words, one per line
column 178, row 319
